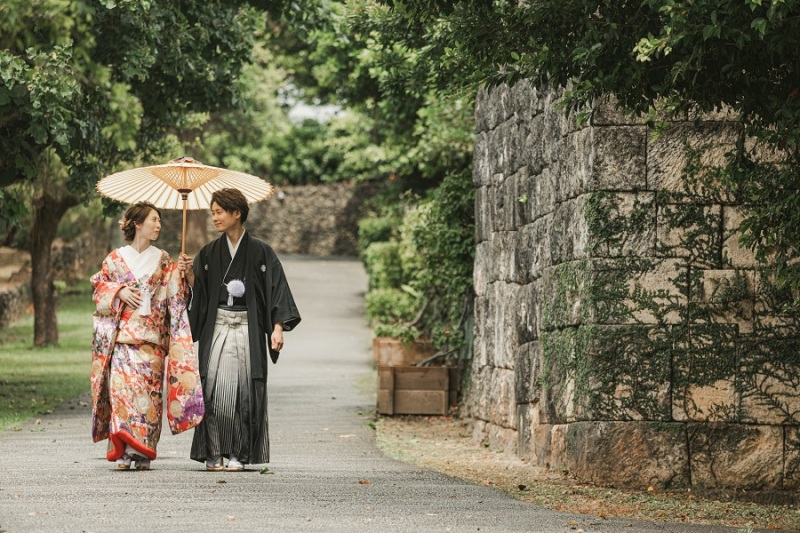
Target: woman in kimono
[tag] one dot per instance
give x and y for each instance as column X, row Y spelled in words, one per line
column 141, row 336
column 241, row 305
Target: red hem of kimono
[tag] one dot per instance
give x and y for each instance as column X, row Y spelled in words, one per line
column 119, row 440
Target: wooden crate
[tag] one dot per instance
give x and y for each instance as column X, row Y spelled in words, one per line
column 388, row 351
column 416, row 390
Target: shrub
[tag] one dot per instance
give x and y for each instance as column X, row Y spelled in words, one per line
column 387, row 306
column 382, row 262
column 374, row 229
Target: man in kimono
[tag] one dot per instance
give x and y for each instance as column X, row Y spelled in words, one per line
column 241, row 305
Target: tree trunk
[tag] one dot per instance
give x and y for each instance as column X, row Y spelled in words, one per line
column 48, row 212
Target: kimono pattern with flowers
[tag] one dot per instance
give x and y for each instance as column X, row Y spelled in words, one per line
column 132, row 355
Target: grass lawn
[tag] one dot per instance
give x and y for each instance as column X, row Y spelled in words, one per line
column 34, row 380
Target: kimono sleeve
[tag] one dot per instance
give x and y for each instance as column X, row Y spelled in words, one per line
column 185, row 407
column 106, row 291
column 284, row 310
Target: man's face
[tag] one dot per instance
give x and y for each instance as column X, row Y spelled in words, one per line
column 223, row 220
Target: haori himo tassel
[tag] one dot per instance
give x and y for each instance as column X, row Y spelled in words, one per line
column 235, row 290
column 144, row 309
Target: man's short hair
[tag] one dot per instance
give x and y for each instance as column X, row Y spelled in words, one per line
column 231, row 200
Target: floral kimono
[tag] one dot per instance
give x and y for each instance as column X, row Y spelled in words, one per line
column 134, row 350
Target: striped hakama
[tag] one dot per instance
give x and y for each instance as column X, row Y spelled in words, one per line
column 236, row 421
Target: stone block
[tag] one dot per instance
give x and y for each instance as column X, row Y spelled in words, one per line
column 504, row 260
column 623, row 373
column 577, row 168
column 565, row 289
column 482, row 114
column 769, row 381
column 690, row 231
column 736, row 456
column 476, row 392
column 503, row 407
column 570, row 231
column 668, row 155
column 481, row 168
column 548, row 446
column 481, row 272
column 491, row 397
column 619, row 159
column 535, row 248
column 553, row 131
column 528, row 312
column 480, row 343
column 722, row 297
column 772, row 315
column 534, row 145
column 527, row 100
column 498, row 106
column 704, row 373
column 503, row 316
column 527, row 373
column 791, row 458
column 517, row 133
column 498, row 150
column 560, row 351
column 629, row 454
column 484, row 221
column 523, row 214
column 509, row 196
column 501, row 439
column 734, row 255
column 539, row 193
column 620, row 224
column 638, row 291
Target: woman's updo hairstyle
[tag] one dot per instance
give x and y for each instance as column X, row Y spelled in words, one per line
column 136, row 214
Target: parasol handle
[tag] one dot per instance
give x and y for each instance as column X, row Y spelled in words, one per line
column 185, row 197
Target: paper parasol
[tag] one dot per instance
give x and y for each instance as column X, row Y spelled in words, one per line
column 182, row 183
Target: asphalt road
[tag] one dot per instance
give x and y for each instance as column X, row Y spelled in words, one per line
column 326, row 473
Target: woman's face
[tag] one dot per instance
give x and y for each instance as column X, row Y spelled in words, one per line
column 151, row 226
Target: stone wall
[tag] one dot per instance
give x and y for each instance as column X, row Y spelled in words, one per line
column 621, row 331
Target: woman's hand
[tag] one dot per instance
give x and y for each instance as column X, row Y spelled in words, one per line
column 131, row 297
column 277, row 338
column 185, row 266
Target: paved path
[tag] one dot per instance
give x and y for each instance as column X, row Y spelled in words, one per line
column 326, row 473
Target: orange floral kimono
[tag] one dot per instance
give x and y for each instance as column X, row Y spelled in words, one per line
column 132, row 354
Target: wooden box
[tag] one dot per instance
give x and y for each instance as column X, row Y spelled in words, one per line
column 393, row 352
column 416, row 390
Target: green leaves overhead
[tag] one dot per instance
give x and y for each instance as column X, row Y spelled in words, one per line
column 102, row 82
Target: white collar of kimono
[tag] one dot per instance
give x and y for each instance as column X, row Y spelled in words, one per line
column 231, row 248
column 141, row 264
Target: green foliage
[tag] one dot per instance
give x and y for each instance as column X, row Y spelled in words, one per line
column 375, row 229
column 63, row 87
column 444, row 241
column 382, row 262
column 390, row 305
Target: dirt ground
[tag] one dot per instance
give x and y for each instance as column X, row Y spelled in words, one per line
column 445, row 444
